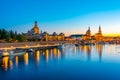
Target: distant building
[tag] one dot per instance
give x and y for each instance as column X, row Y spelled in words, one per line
column 77, row 36
column 87, row 36
column 68, row 38
column 36, row 34
column 98, row 36
column 34, row 30
column 54, row 36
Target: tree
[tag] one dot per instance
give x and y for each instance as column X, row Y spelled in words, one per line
column 11, row 36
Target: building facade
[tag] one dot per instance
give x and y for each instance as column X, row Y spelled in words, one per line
column 36, row 34
column 76, row 36
column 87, row 36
column 54, row 36
column 98, row 36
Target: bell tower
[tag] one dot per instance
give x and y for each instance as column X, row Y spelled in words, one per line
column 99, row 31
column 88, row 33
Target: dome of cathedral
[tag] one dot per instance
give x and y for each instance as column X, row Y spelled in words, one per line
column 88, row 33
column 36, row 28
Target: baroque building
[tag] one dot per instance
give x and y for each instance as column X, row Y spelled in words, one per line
column 54, row 36
column 87, row 36
column 98, row 36
column 36, row 34
column 36, row 28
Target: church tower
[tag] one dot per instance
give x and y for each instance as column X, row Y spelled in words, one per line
column 99, row 31
column 88, row 33
column 98, row 35
column 36, row 28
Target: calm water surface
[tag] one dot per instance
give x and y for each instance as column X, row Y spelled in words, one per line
column 99, row 62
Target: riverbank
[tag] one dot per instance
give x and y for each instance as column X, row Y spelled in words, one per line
column 29, row 44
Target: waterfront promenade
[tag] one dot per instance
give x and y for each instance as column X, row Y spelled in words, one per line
column 30, row 44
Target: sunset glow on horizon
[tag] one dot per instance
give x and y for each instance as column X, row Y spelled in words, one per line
column 55, row 16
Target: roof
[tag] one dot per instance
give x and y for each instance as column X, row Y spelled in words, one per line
column 77, row 35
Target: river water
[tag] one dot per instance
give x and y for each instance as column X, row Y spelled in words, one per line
column 98, row 62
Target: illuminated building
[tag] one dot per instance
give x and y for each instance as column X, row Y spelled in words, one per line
column 34, row 30
column 98, row 36
column 76, row 36
column 87, row 36
column 35, row 34
column 54, row 36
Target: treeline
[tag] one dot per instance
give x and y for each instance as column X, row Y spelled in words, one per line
column 11, row 36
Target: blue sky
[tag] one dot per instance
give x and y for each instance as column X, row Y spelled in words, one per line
column 67, row 16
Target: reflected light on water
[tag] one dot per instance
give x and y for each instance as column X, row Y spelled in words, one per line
column 11, row 64
column 16, row 60
column 88, row 52
column 59, row 53
column 85, row 53
column 37, row 57
column 99, row 50
column 55, row 53
column 47, row 55
column 26, row 58
column 75, row 50
column 5, row 62
column 85, row 60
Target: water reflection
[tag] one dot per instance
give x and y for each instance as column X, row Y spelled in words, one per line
column 16, row 60
column 26, row 58
column 48, row 55
column 99, row 48
column 5, row 62
column 88, row 51
column 37, row 56
column 11, row 64
column 59, row 54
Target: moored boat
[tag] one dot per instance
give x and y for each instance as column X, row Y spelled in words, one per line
column 61, row 46
column 77, row 44
column 30, row 50
column 16, row 52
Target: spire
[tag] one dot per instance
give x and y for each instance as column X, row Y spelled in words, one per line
column 36, row 25
column 89, row 28
column 88, row 33
column 99, row 31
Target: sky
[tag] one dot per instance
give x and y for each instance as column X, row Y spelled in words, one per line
column 67, row 16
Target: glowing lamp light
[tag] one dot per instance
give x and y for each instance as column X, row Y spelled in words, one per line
column 38, row 45
column 26, row 46
column 12, row 47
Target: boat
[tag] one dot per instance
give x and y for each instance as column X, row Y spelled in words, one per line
column 16, row 52
column 30, row 50
column 61, row 46
column 77, row 44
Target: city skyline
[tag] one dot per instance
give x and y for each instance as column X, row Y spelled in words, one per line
column 69, row 17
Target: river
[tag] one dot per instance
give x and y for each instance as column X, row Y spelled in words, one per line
column 97, row 62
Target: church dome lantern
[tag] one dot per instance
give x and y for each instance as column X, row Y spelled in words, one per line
column 36, row 28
